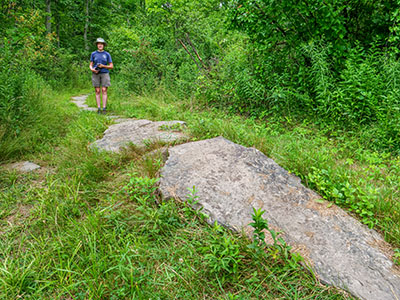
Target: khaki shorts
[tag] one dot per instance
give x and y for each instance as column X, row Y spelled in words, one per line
column 101, row 79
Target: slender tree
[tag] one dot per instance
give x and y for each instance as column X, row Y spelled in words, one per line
column 85, row 33
column 48, row 16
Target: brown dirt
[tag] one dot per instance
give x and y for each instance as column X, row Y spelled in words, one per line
column 324, row 208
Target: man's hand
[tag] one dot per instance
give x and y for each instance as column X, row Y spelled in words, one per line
column 101, row 66
column 95, row 71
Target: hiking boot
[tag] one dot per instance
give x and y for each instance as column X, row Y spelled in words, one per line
column 104, row 111
column 99, row 110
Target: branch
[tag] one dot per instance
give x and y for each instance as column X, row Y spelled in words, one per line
column 195, row 51
column 190, row 54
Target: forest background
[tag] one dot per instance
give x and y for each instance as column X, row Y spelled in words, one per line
column 318, row 79
column 332, row 63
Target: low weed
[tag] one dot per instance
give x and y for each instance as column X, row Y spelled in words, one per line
column 141, row 189
column 191, row 208
column 222, row 254
column 174, row 127
column 341, row 192
column 278, row 249
column 396, row 256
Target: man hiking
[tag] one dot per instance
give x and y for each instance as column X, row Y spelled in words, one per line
column 100, row 64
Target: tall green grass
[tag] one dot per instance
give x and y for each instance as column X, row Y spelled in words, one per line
column 31, row 114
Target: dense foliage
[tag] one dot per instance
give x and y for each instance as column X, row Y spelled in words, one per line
column 334, row 63
column 334, row 60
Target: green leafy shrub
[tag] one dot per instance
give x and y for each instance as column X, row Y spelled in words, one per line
column 357, row 199
column 222, row 254
column 142, row 70
column 231, row 84
column 278, row 250
column 141, row 189
column 396, row 256
column 186, row 78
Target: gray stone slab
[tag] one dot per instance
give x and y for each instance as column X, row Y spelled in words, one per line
column 80, row 101
column 23, row 166
column 231, row 179
column 138, row 132
column 118, row 119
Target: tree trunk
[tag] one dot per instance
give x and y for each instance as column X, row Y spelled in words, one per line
column 48, row 16
column 58, row 32
column 86, row 26
column 57, row 21
column 142, row 4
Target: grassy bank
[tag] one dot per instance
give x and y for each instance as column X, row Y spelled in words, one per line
column 88, row 225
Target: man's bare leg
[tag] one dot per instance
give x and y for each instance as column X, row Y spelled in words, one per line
column 104, row 93
column 97, row 90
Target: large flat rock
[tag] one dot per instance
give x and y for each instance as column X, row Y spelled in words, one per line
column 139, row 132
column 231, row 179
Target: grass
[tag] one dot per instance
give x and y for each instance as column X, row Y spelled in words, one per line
column 90, row 226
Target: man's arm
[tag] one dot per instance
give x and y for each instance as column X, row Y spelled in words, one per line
column 93, row 69
column 110, row 66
